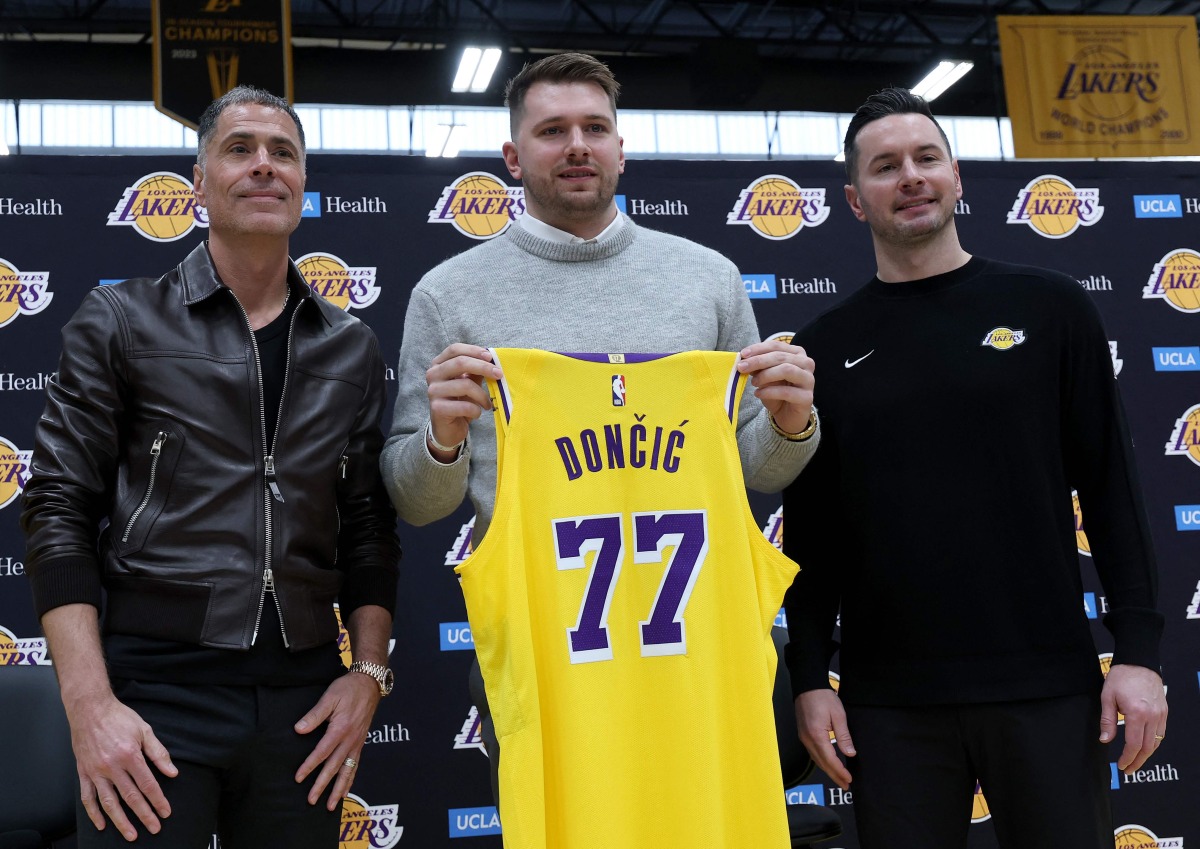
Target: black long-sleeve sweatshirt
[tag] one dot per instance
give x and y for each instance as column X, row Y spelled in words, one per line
column 957, row 414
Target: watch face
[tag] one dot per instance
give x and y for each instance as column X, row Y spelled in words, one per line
column 389, row 680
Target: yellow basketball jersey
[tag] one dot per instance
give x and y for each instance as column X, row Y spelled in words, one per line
column 621, row 606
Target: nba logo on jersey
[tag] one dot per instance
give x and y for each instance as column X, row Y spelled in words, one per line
column 618, row 390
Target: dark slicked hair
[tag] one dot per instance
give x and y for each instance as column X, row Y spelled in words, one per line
column 560, row 68
column 243, row 95
column 889, row 101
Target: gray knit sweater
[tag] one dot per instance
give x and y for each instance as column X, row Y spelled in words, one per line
column 638, row 291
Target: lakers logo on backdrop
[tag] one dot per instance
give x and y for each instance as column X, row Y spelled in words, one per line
column 22, row 292
column 1139, row 837
column 1054, row 208
column 345, row 286
column 479, row 205
column 160, row 207
column 773, row 530
column 471, row 735
column 462, row 547
column 1002, row 338
column 1185, row 438
column 22, row 651
column 369, row 826
column 979, row 806
column 344, row 647
column 14, row 471
column 1176, row 279
column 776, row 208
column 1081, row 540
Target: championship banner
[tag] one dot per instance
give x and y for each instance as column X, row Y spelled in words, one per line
column 203, row 48
column 1090, row 86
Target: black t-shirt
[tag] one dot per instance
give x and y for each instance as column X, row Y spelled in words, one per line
column 268, row 661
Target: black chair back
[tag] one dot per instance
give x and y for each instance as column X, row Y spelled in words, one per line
column 36, row 761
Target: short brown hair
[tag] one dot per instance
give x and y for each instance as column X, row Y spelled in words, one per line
column 560, row 68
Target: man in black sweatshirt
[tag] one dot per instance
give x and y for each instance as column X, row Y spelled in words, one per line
column 962, row 401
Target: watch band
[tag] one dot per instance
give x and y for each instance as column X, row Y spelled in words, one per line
column 382, row 675
column 802, row 435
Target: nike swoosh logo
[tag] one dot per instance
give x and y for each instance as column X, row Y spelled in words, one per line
column 850, row 364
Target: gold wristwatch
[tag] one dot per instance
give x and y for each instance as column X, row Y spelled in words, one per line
column 382, row 675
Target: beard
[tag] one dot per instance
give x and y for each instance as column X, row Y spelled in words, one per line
column 556, row 201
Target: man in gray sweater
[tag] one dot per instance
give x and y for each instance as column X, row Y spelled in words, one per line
column 573, row 274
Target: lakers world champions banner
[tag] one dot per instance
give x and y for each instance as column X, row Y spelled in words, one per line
column 203, row 48
column 1091, row 86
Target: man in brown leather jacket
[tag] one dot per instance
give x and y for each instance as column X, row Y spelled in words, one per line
column 208, row 458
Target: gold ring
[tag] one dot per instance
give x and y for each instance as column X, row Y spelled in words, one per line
column 350, row 762
column 1159, row 737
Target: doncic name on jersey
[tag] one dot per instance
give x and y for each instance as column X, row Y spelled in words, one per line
column 159, row 206
column 776, row 208
column 1176, row 279
column 346, row 287
column 14, row 471
column 479, row 205
column 1053, row 208
column 647, row 446
column 22, row 292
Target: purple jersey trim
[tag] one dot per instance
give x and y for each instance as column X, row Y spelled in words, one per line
column 502, row 389
column 604, row 358
column 731, row 393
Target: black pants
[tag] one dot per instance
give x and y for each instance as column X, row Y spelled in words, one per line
column 1040, row 764
column 237, row 757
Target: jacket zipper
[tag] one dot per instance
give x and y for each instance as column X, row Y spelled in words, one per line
column 271, row 491
column 155, row 453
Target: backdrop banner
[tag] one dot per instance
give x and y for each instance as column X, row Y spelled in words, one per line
column 1092, row 86
column 1129, row 232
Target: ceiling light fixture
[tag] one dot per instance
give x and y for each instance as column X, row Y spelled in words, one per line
column 475, row 69
column 941, row 78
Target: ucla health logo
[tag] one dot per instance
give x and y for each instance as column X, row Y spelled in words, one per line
column 1193, row 610
column 1054, row 208
column 160, row 207
column 471, row 735
column 335, row 280
column 479, row 205
column 1177, row 359
column 1176, row 279
column 456, row 636
column 1002, row 338
column 806, row 794
column 368, row 826
column 1116, row 361
column 1187, row 517
column 759, row 285
column 1157, row 206
column 777, row 208
column 14, row 471
column 474, row 822
column 22, row 292
column 311, row 207
column 1139, row 837
column 1185, row 438
column 22, row 651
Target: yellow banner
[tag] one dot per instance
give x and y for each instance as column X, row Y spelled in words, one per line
column 1089, row 86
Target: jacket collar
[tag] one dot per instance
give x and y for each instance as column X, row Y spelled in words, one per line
column 199, row 280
